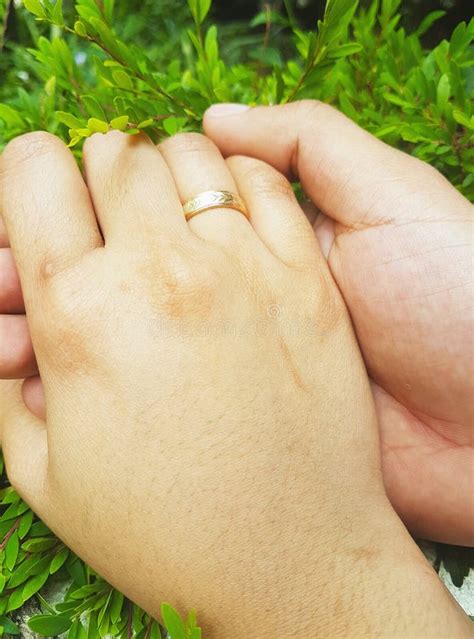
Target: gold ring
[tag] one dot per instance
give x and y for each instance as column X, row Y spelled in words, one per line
column 214, row 200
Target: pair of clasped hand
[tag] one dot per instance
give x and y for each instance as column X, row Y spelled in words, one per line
column 259, row 476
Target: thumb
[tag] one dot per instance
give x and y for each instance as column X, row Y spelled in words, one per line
column 349, row 174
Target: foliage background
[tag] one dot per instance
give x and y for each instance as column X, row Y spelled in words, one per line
column 156, row 66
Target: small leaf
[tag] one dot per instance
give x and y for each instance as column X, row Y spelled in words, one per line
column 57, row 14
column 122, row 79
column 9, row 627
column 443, row 92
column 11, row 551
column 34, row 584
column 68, row 119
column 345, row 50
column 49, row 625
column 119, row 123
column 172, row 622
column 58, row 560
column 93, row 107
column 80, row 29
column 428, row 21
column 39, row 544
column 35, row 7
column 116, row 604
column 145, row 123
column 97, row 126
column 25, row 524
column 461, row 118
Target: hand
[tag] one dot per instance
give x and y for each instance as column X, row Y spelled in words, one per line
column 399, row 244
column 210, row 432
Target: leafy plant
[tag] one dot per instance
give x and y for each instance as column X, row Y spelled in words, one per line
column 141, row 65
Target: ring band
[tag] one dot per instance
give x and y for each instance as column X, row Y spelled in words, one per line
column 214, row 200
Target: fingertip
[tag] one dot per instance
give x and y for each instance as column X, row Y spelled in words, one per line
column 225, row 109
column 11, row 298
column 4, row 243
column 17, row 357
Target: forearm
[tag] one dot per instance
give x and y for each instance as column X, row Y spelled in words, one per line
column 366, row 582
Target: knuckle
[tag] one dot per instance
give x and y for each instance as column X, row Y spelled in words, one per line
column 183, row 287
column 30, row 146
column 264, row 179
column 191, row 143
column 106, row 141
column 311, row 108
column 71, row 330
column 326, row 304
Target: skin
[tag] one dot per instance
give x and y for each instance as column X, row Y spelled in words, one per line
column 398, row 239
column 211, row 434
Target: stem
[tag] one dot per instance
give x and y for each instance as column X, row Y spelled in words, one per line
column 130, row 619
column 9, row 534
column 4, row 24
column 268, row 24
column 156, row 90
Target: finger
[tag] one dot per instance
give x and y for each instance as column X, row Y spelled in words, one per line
column 33, row 396
column 17, row 358
column 46, row 208
column 197, row 166
column 274, row 212
column 133, row 191
column 11, row 297
column 4, row 243
column 349, row 174
column 24, row 445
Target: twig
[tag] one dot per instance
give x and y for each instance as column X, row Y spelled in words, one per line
column 9, row 534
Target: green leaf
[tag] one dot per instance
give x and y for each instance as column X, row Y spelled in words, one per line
column 428, row 21
column 173, row 622
column 34, row 584
column 120, row 123
column 58, row 560
column 25, row 524
column 15, row 601
column 93, row 107
column 49, row 625
column 97, row 126
column 39, row 544
column 145, row 123
column 116, row 604
column 443, row 92
column 461, row 118
column 35, row 7
column 68, row 119
column 11, row 551
column 32, row 566
column 122, row 79
column 459, row 40
column 9, row 627
column 77, row 571
column 80, row 29
column 345, row 50
column 57, row 14
column 203, row 9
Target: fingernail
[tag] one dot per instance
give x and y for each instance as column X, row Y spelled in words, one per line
column 220, row 110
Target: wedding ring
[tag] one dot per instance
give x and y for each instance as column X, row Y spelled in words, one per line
column 214, row 200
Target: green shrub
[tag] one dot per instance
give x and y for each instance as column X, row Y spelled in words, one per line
column 155, row 66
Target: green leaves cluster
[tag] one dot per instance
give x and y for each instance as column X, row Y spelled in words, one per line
column 84, row 77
